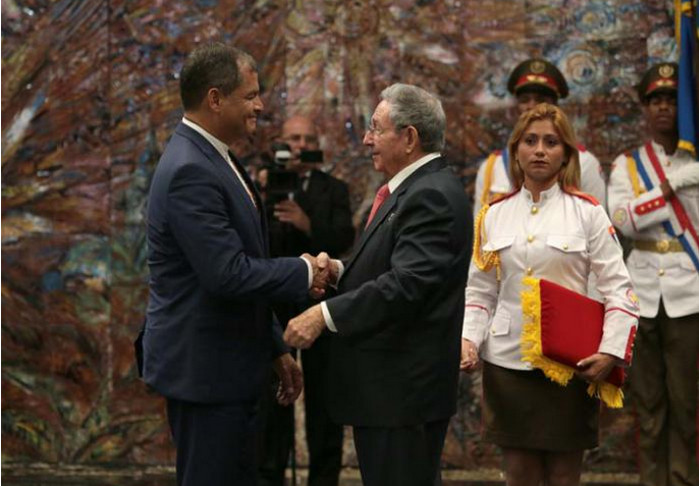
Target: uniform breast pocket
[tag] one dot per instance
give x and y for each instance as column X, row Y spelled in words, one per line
column 567, row 243
column 499, row 243
column 500, row 326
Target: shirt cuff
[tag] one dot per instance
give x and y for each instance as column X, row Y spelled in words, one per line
column 310, row 272
column 340, row 271
column 327, row 317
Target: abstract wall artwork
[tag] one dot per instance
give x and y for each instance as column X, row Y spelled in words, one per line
column 90, row 97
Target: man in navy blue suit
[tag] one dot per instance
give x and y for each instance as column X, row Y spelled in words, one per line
column 210, row 333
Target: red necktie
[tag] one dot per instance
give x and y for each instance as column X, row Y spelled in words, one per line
column 381, row 195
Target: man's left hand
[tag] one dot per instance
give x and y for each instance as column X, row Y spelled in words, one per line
column 290, row 379
column 305, row 328
column 596, row 368
column 288, row 211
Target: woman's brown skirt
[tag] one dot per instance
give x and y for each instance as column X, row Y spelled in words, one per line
column 526, row 410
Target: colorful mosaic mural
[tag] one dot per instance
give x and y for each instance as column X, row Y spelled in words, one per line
column 90, row 97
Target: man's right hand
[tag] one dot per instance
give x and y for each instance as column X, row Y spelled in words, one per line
column 290, row 379
column 322, row 274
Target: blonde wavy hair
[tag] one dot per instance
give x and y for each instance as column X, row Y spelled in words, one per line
column 569, row 175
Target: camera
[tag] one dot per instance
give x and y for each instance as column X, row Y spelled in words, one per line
column 281, row 182
column 311, row 156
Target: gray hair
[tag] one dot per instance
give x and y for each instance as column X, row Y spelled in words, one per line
column 411, row 105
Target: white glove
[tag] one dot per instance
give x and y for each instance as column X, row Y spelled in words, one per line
column 687, row 175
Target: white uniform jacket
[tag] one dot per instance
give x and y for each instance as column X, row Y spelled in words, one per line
column 591, row 178
column 561, row 238
column 670, row 275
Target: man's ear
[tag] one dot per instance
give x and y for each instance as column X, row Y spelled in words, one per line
column 413, row 139
column 213, row 99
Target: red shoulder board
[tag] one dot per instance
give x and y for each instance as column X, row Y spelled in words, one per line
column 585, row 196
column 581, row 148
column 504, row 196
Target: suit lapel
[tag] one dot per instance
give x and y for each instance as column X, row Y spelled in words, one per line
column 231, row 181
column 387, row 207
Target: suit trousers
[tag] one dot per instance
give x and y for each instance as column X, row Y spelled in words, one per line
column 663, row 379
column 323, row 436
column 215, row 443
column 409, row 456
column 275, row 435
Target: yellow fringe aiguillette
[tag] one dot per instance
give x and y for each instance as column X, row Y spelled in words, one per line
column 484, row 260
column 488, row 178
column 532, row 351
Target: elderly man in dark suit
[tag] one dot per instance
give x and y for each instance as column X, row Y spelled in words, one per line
column 396, row 322
column 209, row 334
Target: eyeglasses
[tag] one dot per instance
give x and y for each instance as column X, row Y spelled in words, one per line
column 377, row 132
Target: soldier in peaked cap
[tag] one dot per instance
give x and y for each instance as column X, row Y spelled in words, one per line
column 650, row 189
column 532, row 82
column 661, row 78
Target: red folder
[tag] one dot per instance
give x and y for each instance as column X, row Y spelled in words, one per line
column 571, row 327
column 560, row 328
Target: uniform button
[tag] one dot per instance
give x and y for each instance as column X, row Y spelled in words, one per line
column 530, row 238
column 565, row 246
column 535, row 209
column 661, row 272
column 492, row 331
column 530, row 270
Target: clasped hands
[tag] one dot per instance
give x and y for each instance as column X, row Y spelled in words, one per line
column 325, row 273
column 304, row 329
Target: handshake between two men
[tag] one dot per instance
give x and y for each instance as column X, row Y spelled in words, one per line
column 304, row 329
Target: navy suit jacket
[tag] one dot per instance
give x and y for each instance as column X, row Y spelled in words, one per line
column 395, row 358
column 209, row 334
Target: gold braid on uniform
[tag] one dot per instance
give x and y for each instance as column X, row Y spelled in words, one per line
column 488, row 179
column 633, row 175
column 484, row 260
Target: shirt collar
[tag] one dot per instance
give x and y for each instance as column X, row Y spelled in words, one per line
column 405, row 172
column 220, row 146
column 544, row 196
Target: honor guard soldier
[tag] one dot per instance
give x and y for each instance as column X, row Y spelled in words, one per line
column 654, row 200
column 532, row 82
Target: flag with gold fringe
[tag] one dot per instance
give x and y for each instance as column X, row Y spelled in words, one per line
column 687, row 34
column 560, row 328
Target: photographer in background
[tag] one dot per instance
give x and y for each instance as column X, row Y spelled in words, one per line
column 307, row 210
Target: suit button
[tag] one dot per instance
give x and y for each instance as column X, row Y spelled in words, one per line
column 535, row 209
column 530, row 271
column 565, row 246
column 661, row 272
column 530, row 238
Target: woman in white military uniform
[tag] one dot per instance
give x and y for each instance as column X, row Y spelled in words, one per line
column 646, row 188
column 546, row 229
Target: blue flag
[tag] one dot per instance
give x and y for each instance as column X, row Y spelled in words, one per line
column 687, row 16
